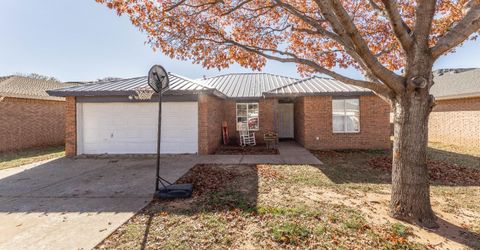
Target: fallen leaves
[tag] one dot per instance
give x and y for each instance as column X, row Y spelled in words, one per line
column 267, row 172
column 440, row 172
column 263, row 207
column 208, row 178
column 329, row 154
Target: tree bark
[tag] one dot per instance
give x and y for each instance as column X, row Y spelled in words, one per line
column 410, row 199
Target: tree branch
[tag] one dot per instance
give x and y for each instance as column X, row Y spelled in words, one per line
column 236, row 7
column 423, row 24
column 399, row 27
column 460, row 32
column 339, row 36
column 389, row 78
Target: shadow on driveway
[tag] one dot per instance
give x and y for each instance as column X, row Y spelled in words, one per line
column 75, row 203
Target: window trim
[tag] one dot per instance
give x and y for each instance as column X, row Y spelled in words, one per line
column 236, row 114
column 344, row 110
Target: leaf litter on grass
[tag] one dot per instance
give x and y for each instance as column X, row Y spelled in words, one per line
column 440, row 172
column 232, row 208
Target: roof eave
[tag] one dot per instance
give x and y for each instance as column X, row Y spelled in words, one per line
column 458, row 96
column 131, row 92
column 47, row 98
column 336, row 94
column 245, row 98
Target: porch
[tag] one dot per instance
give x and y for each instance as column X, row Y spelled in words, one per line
column 290, row 152
column 261, row 116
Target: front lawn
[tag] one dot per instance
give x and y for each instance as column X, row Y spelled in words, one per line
column 339, row 205
column 464, row 156
column 27, row 156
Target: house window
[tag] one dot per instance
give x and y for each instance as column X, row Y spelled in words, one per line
column 247, row 116
column 346, row 115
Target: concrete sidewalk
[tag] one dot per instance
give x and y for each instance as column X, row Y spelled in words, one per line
column 289, row 153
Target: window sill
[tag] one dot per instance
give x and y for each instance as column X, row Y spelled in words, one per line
column 353, row 132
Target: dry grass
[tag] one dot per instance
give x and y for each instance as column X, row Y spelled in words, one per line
column 463, row 156
column 19, row 158
column 342, row 204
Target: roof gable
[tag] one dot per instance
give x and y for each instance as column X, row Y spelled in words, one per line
column 246, row 85
column 318, row 86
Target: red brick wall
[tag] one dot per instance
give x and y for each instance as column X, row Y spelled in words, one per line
column 210, row 118
column 70, row 127
column 456, row 122
column 230, row 116
column 266, row 116
column 317, row 122
column 299, row 120
column 27, row 123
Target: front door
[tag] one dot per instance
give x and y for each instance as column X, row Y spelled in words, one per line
column 285, row 120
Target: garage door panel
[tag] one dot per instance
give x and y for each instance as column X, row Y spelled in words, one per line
column 131, row 128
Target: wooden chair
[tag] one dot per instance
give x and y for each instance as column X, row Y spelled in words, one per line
column 247, row 137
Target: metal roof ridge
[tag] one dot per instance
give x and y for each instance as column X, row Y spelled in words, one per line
column 183, row 77
column 109, row 81
column 290, row 84
column 200, row 84
column 246, row 73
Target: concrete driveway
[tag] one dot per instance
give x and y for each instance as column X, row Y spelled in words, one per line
column 76, row 203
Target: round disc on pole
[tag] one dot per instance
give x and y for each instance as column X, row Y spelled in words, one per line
column 158, row 78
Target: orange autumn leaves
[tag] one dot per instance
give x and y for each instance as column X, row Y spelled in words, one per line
column 218, row 33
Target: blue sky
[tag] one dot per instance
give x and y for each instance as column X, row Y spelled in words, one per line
column 82, row 40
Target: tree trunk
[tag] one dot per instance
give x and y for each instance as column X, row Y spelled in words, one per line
column 410, row 199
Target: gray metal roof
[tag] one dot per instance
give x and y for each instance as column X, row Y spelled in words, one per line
column 237, row 86
column 318, row 86
column 456, row 83
column 30, row 88
column 178, row 85
column 246, row 85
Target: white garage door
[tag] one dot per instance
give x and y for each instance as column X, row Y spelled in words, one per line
column 131, row 128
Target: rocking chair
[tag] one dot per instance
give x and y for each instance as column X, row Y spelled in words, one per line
column 247, row 137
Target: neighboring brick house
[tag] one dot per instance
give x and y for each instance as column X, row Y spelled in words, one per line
column 456, row 117
column 29, row 117
column 319, row 113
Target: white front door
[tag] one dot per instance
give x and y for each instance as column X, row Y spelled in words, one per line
column 131, row 128
column 285, row 120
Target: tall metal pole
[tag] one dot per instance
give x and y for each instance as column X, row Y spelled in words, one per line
column 159, row 137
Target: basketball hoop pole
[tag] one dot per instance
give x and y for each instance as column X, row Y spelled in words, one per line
column 169, row 191
column 159, row 136
column 159, row 179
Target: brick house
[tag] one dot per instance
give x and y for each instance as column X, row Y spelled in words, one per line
column 319, row 113
column 456, row 117
column 29, row 117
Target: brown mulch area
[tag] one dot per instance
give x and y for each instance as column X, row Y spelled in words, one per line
column 247, row 150
column 440, row 172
